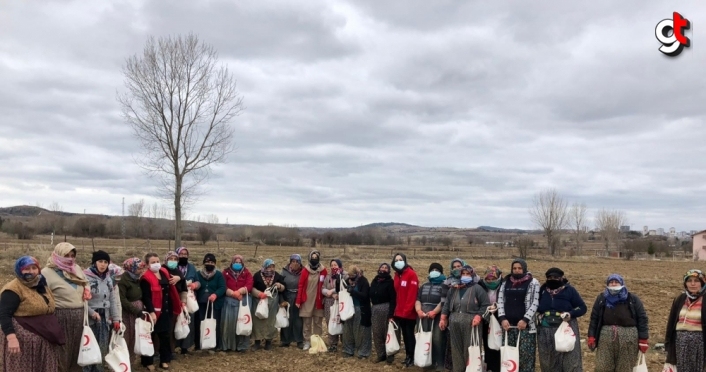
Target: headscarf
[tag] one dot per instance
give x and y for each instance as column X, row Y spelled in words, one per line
column 336, row 272
column 132, row 266
column 451, row 267
column 23, row 263
column 230, row 270
column 517, row 282
column 204, row 273
column 169, row 255
column 622, row 296
column 267, row 263
column 493, row 274
column 67, row 265
column 382, row 277
column 183, row 268
column 298, row 258
column 471, row 271
column 318, row 255
column 180, row 249
column 115, row 270
column 699, row 275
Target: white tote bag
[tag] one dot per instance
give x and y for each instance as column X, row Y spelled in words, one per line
column 335, row 327
column 143, row 335
column 346, row 310
column 510, row 356
column 282, row 319
column 262, row 311
column 392, row 345
column 244, row 325
column 475, row 361
column 641, row 363
column 208, row 329
column 191, row 304
column 118, row 357
column 668, row 367
column 564, row 338
column 182, row 329
column 90, row 352
column 495, row 334
column 422, row 348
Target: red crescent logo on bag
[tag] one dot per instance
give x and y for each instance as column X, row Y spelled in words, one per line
column 341, row 305
column 388, row 339
column 511, row 364
column 247, row 319
column 428, row 346
column 125, row 367
column 568, row 331
column 88, row 339
column 208, row 331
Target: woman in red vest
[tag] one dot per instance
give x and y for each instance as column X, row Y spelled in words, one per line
column 406, row 288
column 162, row 302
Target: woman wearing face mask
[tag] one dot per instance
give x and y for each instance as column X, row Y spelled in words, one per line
column 356, row 331
column 465, row 305
column 518, row 300
column 266, row 279
column 453, row 279
column 330, row 292
column 211, row 289
column 239, row 283
column 406, row 288
column 131, row 299
column 491, row 282
column 68, row 284
column 558, row 302
column 30, row 331
column 103, row 311
column 290, row 276
column 163, row 302
column 171, row 263
column 384, row 300
column 685, row 334
column 619, row 322
column 310, row 298
column 430, row 301
column 190, row 277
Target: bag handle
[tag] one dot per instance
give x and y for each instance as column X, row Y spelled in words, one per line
column 149, row 320
column 209, row 304
column 394, row 325
column 85, row 313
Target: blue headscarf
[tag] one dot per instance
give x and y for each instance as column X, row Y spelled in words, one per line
column 610, row 299
column 24, row 262
column 265, row 271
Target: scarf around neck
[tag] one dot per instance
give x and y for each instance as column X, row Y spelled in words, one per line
column 206, row 275
column 612, row 300
column 518, row 282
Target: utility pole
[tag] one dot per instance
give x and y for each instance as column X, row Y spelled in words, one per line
column 122, row 224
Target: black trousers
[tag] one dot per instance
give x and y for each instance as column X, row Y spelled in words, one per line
column 165, row 352
column 406, row 327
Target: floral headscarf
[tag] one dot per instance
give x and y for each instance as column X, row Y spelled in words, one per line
column 23, row 263
column 132, row 266
column 66, row 265
column 169, row 255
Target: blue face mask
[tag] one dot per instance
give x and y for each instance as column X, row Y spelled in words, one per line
column 466, row 279
column 172, row 264
column 434, row 274
column 399, row 265
column 237, row 266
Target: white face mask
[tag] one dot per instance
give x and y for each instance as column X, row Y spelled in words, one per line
column 399, row 265
column 614, row 289
column 155, row 267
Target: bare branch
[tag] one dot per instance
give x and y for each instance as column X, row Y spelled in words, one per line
column 549, row 213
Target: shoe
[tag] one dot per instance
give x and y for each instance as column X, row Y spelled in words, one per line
column 164, row 366
column 381, row 359
column 268, row 344
column 300, row 345
column 346, row 355
column 408, row 362
column 362, row 357
column 332, row 349
column 184, row 351
column 306, row 346
column 284, row 345
column 390, row 359
column 256, row 346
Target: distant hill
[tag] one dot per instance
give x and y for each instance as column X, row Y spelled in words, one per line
column 500, row 229
column 388, row 224
column 28, row 211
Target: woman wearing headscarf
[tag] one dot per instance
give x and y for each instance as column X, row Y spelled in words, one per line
column 163, row 302
column 103, row 311
column 685, row 336
column 290, row 276
column 453, row 279
column 171, row 263
column 559, row 302
column 330, row 291
column 30, row 331
column 68, row 285
column 518, row 300
column 191, row 280
column 430, row 302
column 131, row 299
column 310, row 298
column 384, row 300
column 619, row 322
column 491, row 282
column 211, row 289
column 465, row 305
column 267, row 279
column 406, row 287
column 239, row 283
column 357, row 335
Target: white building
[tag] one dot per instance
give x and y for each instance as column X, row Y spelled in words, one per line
column 645, row 230
column 652, row 232
column 672, row 232
column 660, row 231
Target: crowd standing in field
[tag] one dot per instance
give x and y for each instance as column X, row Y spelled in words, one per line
column 461, row 322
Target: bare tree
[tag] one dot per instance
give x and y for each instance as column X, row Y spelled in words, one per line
column 136, row 209
column 609, row 222
column 179, row 104
column 523, row 245
column 549, row 213
column 577, row 221
column 55, row 207
column 212, row 219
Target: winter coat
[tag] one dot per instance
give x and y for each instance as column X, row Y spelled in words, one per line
column 568, row 300
column 531, row 302
column 474, row 301
column 130, row 292
column 406, row 288
column 217, row 285
column 104, row 295
column 670, row 335
column 361, row 292
column 303, row 295
column 245, row 279
column 637, row 310
column 382, row 292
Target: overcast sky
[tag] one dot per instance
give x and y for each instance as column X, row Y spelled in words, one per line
column 436, row 113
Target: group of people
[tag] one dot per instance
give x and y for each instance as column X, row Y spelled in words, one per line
column 43, row 311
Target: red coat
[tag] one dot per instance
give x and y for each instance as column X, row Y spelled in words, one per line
column 156, row 288
column 244, row 280
column 406, row 287
column 303, row 283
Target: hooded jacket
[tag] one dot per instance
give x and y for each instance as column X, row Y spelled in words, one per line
column 406, row 288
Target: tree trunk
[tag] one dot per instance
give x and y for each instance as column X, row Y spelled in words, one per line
column 177, row 213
